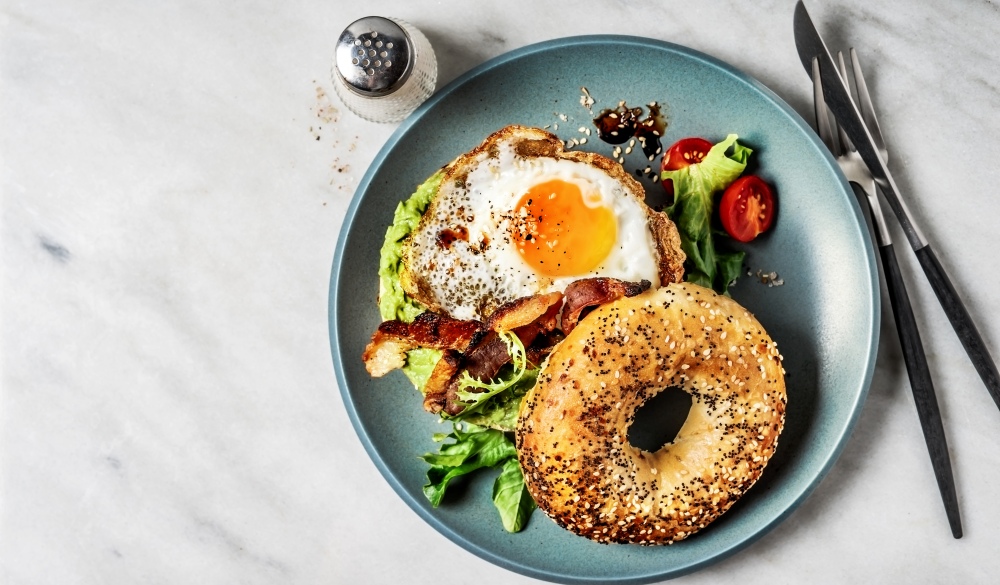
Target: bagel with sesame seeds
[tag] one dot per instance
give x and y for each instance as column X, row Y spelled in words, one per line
column 573, row 425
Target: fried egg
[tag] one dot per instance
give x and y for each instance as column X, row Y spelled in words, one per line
column 519, row 216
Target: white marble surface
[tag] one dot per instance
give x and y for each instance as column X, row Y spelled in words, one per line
column 174, row 178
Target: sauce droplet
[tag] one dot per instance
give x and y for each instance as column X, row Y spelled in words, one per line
column 619, row 125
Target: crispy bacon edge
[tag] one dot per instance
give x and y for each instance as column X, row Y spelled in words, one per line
column 585, row 294
column 387, row 349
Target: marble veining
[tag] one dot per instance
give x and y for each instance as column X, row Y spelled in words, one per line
column 174, row 176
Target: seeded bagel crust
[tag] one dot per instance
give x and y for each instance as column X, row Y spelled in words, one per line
column 572, row 430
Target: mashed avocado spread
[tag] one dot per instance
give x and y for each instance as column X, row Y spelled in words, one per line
column 393, row 303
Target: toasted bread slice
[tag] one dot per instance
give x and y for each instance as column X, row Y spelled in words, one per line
column 424, row 253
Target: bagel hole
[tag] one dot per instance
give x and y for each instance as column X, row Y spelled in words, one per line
column 659, row 419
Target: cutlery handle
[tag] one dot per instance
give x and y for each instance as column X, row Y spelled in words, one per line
column 961, row 321
column 921, row 386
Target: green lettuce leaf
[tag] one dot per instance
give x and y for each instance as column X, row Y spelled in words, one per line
column 730, row 266
column 501, row 411
column 487, row 447
column 694, row 189
column 474, row 448
column 511, row 497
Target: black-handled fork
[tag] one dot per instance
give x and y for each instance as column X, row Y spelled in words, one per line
column 906, row 325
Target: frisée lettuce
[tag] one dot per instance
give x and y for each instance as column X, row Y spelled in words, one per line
column 495, row 403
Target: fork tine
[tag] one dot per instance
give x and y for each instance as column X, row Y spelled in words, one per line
column 822, row 113
column 844, row 140
column 865, row 101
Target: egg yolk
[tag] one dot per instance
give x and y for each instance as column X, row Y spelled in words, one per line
column 558, row 234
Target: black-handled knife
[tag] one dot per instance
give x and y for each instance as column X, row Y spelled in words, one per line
column 837, row 96
column 922, row 387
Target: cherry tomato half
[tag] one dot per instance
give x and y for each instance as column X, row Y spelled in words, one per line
column 684, row 152
column 747, row 208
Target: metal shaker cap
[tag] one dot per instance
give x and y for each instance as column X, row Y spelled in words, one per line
column 374, row 56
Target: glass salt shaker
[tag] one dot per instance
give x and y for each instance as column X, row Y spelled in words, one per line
column 384, row 68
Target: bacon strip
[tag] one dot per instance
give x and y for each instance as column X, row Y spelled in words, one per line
column 521, row 312
column 583, row 295
column 477, row 348
column 542, row 346
column 436, row 388
column 387, row 349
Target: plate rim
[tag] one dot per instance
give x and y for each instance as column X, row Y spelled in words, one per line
column 843, row 433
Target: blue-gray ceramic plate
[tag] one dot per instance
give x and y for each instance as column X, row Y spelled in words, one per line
column 823, row 315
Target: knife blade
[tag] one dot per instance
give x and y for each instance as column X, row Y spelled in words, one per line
column 838, row 98
column 810, row 45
